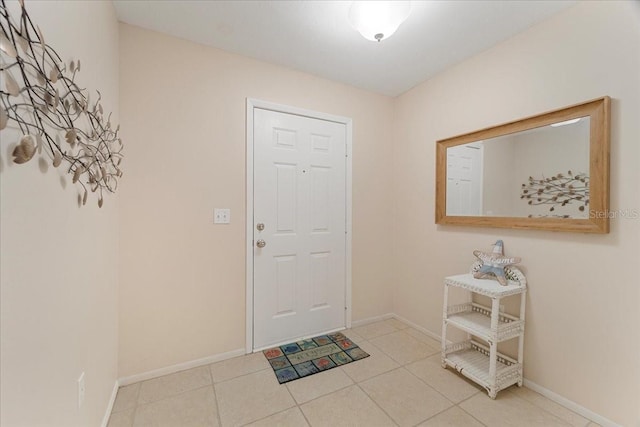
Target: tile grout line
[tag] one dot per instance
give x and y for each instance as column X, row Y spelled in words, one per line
column 376, row 403
column 404, row 366
column 406, row 363
column 215, row 396
column 299, row 405
column 376, row 375
column 267, row 416
column 563, row 407
column 173, row 396
column 377, row 336
column 430, row 387
column 135, row 408
column 469, row 413
column 304, row 416
column 138, row 403
column 454, row 404
column 295, row 402
column 243, row 375
column 541, row 408
column 353, row 382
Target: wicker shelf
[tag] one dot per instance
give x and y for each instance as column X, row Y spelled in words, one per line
column 482, row 364
column 476, row 320
column 472, row 360
column 486, row 287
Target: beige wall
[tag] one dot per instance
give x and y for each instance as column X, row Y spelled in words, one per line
column 58, row 266
column 182, row 277
column 583, row 321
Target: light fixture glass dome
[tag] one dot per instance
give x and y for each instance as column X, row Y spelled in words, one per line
column 378, row 20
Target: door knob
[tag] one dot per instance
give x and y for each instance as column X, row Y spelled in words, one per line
column 261, row 243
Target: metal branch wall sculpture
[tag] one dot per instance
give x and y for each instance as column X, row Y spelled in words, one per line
column 56, row 116
column 558, row 191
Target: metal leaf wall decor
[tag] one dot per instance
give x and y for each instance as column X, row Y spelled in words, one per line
column 55, row 116
column 558, row 191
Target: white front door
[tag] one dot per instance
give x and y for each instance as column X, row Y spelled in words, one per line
column 299, row 226
column 464, row 180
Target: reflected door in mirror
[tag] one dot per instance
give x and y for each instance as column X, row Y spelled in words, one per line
column 464, row 180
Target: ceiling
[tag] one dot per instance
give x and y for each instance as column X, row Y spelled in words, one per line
column 316, row 37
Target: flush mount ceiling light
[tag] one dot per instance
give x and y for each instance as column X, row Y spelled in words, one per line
column 377, row 20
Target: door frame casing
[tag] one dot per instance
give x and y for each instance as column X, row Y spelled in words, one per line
column 251, row 105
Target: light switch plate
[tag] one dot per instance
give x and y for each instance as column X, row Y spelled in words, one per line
column 221, row 216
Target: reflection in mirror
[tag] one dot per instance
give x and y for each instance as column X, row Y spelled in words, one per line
column 545, row 172
column 541, row 172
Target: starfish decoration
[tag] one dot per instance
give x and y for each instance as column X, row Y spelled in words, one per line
column 494, row 263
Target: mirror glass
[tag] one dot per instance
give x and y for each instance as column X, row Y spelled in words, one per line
column 545, row 172
column 537, row 173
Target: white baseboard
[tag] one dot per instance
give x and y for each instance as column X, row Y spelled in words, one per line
column 112, row 400
column 180, row 367
column 569, row 404
column 362, row 322
column 419, row 328
column 560, row 400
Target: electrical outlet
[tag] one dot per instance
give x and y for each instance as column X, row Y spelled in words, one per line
column 221, row 216
column 81, row 390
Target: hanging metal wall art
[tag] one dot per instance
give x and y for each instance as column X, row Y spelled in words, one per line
column 54, row 115
column 558, row 191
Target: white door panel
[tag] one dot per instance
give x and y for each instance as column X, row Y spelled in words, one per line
column 299, row 195
column 464, row 180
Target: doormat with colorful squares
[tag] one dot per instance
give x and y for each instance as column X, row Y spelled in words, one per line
column 307, row 357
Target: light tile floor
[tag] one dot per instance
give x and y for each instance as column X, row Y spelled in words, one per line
column 400, row 384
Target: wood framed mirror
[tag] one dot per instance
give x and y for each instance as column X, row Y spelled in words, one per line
column 546, row 172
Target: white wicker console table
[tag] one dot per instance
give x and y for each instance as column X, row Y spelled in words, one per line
column 479, row 362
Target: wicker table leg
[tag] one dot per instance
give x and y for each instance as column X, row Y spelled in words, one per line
column 443, row 341
column 493, row 347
